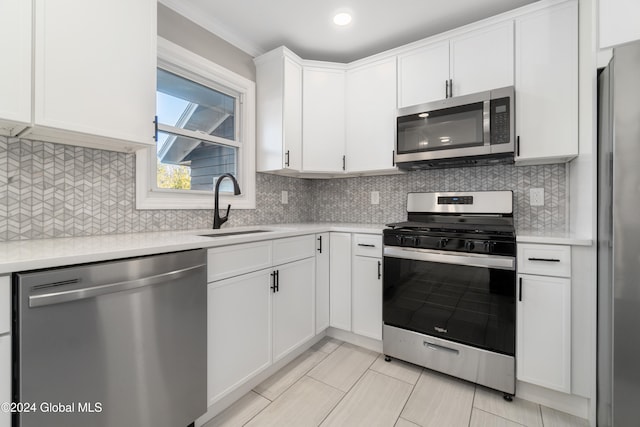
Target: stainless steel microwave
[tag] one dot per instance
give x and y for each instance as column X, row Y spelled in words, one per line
column 466, row 130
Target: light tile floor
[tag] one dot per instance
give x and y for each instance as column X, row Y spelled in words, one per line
column 339, row 384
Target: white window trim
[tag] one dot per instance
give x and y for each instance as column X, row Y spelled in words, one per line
column 149, row 198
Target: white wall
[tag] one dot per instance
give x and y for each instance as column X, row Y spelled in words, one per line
column 183, row 32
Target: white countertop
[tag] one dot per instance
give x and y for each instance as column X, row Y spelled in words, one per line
column 36, row 254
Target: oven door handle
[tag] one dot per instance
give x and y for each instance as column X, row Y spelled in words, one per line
column 473, row 260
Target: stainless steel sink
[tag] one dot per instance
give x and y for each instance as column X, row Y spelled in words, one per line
column 233, row 233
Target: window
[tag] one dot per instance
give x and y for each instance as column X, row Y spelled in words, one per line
column 206, row 127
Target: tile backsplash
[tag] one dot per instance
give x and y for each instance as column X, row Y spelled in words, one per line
column 53, row 190
column 349, row 199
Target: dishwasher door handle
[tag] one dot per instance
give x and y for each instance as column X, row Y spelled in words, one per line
column 49, row 298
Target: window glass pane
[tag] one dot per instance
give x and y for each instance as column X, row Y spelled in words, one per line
column 191, row 164
column 188, row 105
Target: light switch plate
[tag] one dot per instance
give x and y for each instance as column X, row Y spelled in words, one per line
column 285, row 197
column 536, row 197
column 375, row 197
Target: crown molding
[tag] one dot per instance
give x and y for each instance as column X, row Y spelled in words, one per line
column 201, row 18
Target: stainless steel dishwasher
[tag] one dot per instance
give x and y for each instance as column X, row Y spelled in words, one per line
column 112, row 344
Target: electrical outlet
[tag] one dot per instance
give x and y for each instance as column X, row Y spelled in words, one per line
column 285, row 197
column 375, row 197
column 536, row 197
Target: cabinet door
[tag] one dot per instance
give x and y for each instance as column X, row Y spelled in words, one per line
column 544, row 331
column 293, row 306
column 292, row 116
column 95, row 67
column 423, row 74
column 547, row 84
column 15, row 48
column 239, row 331
column 367, row 296
column 279, row 111
column 618, row 22
column 482, row 59
column 340, row 281
column 322, row 281
column 371, row 116
column 323, row 130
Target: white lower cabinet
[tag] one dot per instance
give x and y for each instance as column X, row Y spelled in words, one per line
column 239, row 331
column 293, row 306
column 256, row 318
column 543, row 351
column 340, row 281
column 367, row 296
column 322, row 281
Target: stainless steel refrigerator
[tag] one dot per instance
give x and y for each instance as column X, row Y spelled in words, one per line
column 618, row 391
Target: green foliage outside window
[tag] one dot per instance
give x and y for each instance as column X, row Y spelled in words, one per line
column 174, row 176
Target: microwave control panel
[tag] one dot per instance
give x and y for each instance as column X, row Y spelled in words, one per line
column 500, row 121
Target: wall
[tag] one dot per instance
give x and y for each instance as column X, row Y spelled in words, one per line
column 53, row 190
column 185, row 33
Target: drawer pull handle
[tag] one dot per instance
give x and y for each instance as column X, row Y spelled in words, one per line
column 433, row 346
column 545, row 259
column 520, row 293
column 366, row 245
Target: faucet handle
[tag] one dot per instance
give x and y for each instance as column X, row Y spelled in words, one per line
column 226, row 217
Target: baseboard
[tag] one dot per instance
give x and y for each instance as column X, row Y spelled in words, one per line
column 569, row 403
column 246, row 387
column 355, row 339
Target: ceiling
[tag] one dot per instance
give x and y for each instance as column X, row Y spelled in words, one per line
column 306, row 27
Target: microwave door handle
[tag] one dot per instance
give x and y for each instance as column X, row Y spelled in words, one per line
column 486, row 122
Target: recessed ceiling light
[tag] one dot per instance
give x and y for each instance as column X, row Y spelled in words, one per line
column 342, row 18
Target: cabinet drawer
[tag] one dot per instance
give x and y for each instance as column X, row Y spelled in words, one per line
column 5, row 304
column 367, row 245
column 229, row 261
column 546, row 260
column 293, row 249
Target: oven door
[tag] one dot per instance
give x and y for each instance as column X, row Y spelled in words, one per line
column 465, row 298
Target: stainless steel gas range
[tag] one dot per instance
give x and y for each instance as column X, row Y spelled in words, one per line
column 449, row 301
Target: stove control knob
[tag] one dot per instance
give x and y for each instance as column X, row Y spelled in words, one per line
column 469, row 245
column 442, row 243
column 488, row 246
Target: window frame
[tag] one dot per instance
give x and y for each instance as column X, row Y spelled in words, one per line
column 187, row 64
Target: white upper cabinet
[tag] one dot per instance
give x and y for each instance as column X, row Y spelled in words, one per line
column 323, row 118
column 279, row 111
column 475, row 61
column 95, row 72
column 547, row 85
column 482, row 59
column 618, row 22
column 15, row 49
column 423, row 74
column 371, row 116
